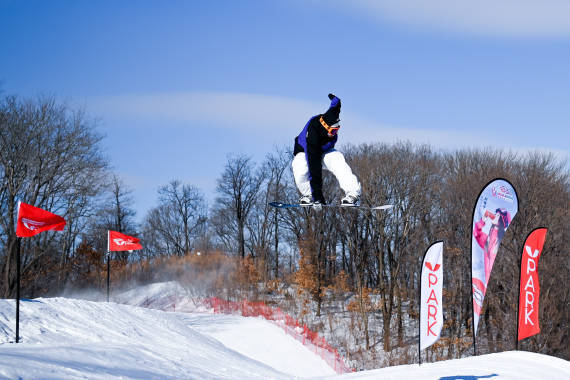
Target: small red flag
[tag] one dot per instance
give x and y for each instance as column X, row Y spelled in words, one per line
column 121, row 242
column 33, row 220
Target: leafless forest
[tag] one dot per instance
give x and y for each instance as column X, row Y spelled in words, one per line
column 353, row 274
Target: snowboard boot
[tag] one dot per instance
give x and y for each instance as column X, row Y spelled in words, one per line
column 305, row 200
column 318, row 205
column 350, row 200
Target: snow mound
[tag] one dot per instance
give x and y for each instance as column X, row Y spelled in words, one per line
column 72, row 339
column 65, row 338
column 510, row 365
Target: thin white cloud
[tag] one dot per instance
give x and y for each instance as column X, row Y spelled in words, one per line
column 247, row 112
column 365, row 131
column 491, row 18
column 271, row 118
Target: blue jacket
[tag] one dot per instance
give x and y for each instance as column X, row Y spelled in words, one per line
column 315, row 141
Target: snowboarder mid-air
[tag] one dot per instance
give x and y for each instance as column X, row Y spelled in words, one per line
column 314, row 148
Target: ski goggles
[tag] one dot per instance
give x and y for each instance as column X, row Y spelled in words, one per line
column 332, row 130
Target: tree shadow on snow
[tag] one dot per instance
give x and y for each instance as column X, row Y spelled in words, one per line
column 467, row 377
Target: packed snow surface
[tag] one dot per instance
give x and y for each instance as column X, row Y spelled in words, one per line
column 65, row 338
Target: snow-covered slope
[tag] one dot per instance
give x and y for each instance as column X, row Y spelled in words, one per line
column 510, row 365
column 69, row 338
column 65, row 338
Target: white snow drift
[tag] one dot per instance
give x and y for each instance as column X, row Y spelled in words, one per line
column 66, row 338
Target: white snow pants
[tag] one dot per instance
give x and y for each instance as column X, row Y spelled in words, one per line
column 334, row 162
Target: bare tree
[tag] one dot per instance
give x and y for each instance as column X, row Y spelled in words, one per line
column 179, row 219
column 263, row 224
column 120, row 207
column 49, row 158
column 277, row 163
column 238, row 188
column 115, row 212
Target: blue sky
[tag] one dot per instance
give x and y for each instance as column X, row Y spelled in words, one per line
column 179, row 85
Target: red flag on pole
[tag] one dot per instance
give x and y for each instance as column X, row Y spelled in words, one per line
column 530, row 286
column 32, row 220
column 121, row 242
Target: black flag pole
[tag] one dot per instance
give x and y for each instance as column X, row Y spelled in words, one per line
column 108, row 273
column 471, row 294
column 420, row 312
column 42, row 220
column 18, row 240
column 420, row 321
column 519, row 295
column 473, row 327
column 108, row 262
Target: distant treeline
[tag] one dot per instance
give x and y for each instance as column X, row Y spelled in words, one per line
column 51, row 157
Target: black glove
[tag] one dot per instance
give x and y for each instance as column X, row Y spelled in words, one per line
column 331, row 96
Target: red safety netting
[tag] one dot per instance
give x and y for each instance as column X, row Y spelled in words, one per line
column 290, row 325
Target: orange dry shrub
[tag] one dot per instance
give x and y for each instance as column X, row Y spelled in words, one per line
column 305, row 308
column 307, row 281
column 119, row 271
column 340, row 284
column 210, row 272
column 207, row 273
column 306, row 276
column 247, row 275
column 362, row 302
column 249, row 271
column 87, row 267
column 44, row 272
column 274, row 286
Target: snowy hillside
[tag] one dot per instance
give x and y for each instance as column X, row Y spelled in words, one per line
column 71, row 338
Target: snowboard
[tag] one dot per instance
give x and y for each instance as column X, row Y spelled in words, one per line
column 296, row 205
